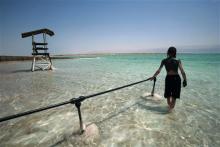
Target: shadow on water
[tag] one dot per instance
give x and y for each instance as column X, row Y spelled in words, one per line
column 115, row 114
column 140, row 103
column 153, row 108
column 21, row 70
column 58, row 143
column 157, row 109
column 28, row 70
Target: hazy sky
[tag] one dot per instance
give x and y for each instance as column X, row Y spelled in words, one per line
column 91, row 26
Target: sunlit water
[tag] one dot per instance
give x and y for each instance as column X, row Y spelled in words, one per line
column 124, row 118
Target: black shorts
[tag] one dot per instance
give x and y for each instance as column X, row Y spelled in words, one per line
column 172, row 86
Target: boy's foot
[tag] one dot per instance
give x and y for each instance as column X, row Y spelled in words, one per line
column 170, row 109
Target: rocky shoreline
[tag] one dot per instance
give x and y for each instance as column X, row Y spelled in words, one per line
column 14, row 58
column 23, row 58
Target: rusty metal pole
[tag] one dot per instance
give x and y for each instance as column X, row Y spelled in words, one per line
column 152, row 92
column 78, row 104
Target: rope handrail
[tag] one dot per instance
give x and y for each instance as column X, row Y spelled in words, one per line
column 114, row 89
column 76, row 101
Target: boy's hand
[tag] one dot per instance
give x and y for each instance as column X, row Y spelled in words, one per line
column 184, row 83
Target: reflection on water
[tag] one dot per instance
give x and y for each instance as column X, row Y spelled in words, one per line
column 128, row 117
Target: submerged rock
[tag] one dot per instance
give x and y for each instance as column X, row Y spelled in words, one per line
column 90, row 136
column 155, row 97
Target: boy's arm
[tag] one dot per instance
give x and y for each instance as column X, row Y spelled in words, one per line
column 183, row 74
column 158, row 71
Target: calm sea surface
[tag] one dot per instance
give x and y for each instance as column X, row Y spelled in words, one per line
column 124, row 118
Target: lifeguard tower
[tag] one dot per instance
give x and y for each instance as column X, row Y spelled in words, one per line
column 41, row 58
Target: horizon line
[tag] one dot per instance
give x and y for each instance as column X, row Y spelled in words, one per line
column 99, row 53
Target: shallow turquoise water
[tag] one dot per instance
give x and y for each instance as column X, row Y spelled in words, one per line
column 124, row 118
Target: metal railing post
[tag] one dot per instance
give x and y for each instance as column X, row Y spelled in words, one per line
column 78, row 104
column 152, row 92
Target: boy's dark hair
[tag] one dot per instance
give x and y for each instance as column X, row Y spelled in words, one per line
column 171, row 52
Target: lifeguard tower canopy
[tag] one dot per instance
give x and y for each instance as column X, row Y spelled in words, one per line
column 36, row 32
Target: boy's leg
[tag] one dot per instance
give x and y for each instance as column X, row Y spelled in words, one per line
column 169, row 102
column 173, row 102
